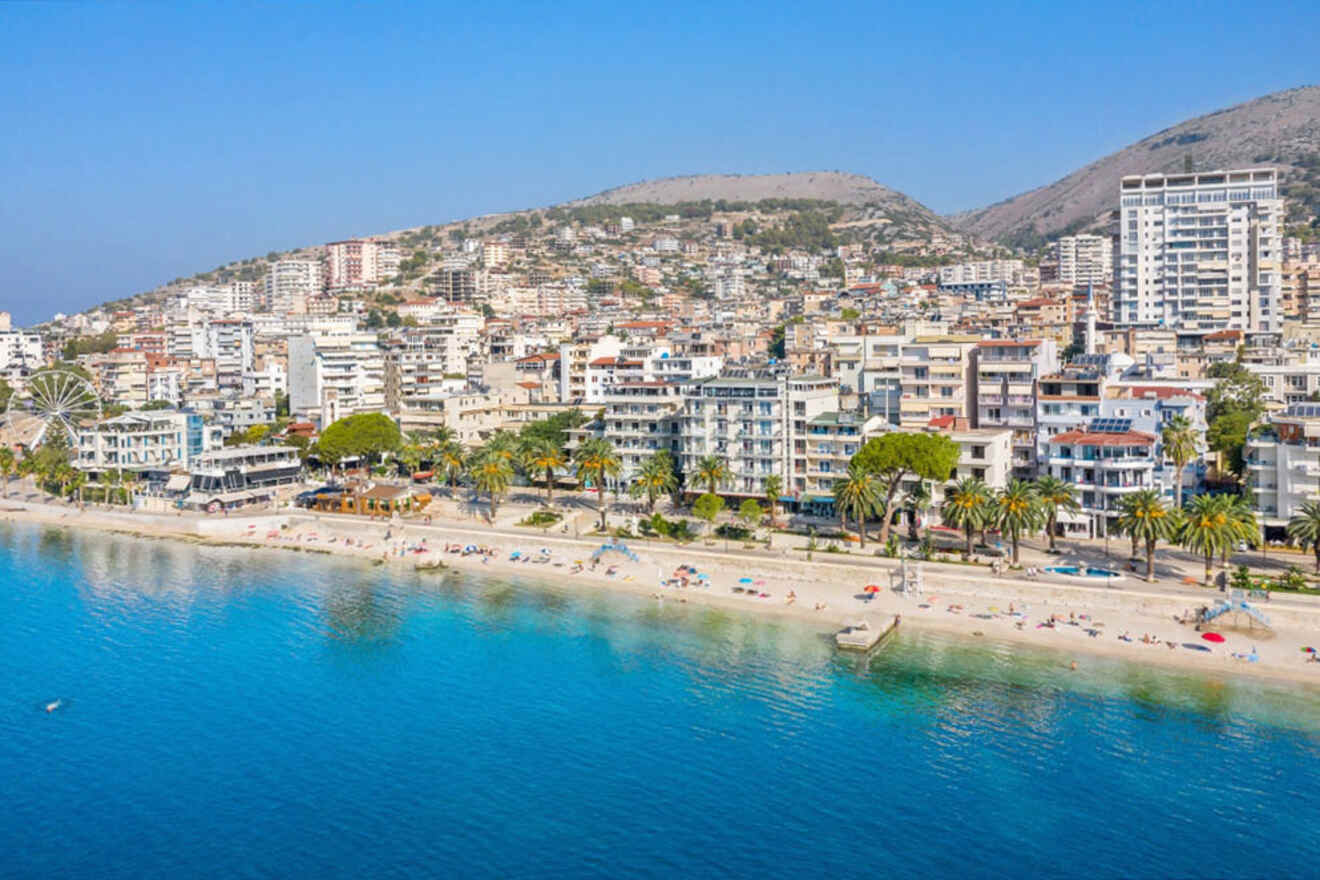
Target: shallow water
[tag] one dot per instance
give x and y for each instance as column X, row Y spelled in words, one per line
column 258, row 713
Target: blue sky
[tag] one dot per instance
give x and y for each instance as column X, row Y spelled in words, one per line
column 143, row 142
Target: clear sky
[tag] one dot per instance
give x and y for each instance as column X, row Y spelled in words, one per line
column 144, row 142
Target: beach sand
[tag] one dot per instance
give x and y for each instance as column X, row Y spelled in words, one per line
column 828, row 592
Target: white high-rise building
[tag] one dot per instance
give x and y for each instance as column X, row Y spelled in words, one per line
column 360, row 262
column 1085, row 259
column 1200, row 251
column 290, row 282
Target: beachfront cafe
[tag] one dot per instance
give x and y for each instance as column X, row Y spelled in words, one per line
column 368, row 499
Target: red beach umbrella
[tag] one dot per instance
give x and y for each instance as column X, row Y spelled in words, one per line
column 1212, row 637
column 872, row 588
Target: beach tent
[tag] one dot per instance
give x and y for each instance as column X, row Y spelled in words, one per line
column 614, row 548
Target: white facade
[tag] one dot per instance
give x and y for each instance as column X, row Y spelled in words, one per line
column 289, row 283
column 1085, row 259
column 20, row 348
column 1200, row 251
column 335, row 375
column 1283, row 464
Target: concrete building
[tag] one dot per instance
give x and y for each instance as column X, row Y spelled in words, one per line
column 1004, row 387
column 934, row 378
column 290, row 283
column 149, row 443
column 1200, row 252
column 1103, row 463
column 1085, row 259
column 335, row 375
column 359, row 262
column 1283, row 466
column 21, row 349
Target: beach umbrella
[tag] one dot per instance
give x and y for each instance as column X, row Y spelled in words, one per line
column 1307, row 649
column 1212, row 637
column 470, row 548
column 744, row 580
column 872, row 588
column 545, row 551
column 703, row 577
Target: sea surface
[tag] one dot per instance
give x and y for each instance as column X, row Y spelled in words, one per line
column 242, row 713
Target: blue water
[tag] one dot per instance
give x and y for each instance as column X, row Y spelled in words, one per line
column 257, row 713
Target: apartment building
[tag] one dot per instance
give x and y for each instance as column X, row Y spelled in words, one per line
column 574, row 358
column 641, row 418
column 360, row 262
column 821, row 453
column 335, row 375
column 419, row 360
column 21, row 350
column 1005, row 374
column 934, row 380
column 290, row 283
column 472, row 415
column 749, row 417
column 1283, row 466
column 1103, row 463
column 1085, row 259
column 1200, row 252
column 149, row 443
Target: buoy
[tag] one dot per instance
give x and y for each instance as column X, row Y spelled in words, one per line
column 51, row 707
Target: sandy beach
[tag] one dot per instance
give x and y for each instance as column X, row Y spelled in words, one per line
column 1082, row 621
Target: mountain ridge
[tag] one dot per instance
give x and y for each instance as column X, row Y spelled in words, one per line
column 1280, row 129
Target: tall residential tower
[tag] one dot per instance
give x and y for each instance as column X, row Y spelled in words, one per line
column 1200, row 251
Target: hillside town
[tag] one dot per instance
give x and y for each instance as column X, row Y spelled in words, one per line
column 745, row 351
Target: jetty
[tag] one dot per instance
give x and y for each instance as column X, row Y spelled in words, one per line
column 864, row 635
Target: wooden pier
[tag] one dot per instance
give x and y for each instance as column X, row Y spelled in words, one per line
column 864, row 635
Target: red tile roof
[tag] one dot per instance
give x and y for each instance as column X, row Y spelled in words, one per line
column 1163, row 392
column 1102, row 438
column 941, row 421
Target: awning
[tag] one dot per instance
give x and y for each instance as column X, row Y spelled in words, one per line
column 178, row 482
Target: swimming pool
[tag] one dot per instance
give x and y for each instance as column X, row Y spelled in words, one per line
column 1089, row 571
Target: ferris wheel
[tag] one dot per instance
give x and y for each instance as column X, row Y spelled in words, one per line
column 57, row 400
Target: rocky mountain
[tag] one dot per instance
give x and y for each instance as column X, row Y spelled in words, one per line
column 825, row 186
column 1282, row 129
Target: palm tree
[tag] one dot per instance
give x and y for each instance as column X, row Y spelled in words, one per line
column 1304, row 528
column 714, row 472
column 1055, row 495
column 129, row 478
column 113, row 480
column 857, row 495
column 1206, row 528
column 1179, row 440
column 504, row 444
column 77, row 480
column 8, row 465
column 655, row 478
column 492, row 474
column 1146, row 518
column 541, row 456
column 451, row 458
column 1242, row 522
column 774, row 487
column 966, row 506
column 1017, row 510
column 410, row 456
column 596, row 460
column 914, row 502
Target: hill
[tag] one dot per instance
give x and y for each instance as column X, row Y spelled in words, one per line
column 1282, row 129
column 824, row 186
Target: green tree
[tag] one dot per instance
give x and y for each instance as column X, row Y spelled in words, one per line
column 1017, row 511
column 1179, row 439
column 713, row 471
column 1055, row 495
column 8, row 465
column 364, row 435
column 596, row 461
column 750, row 512
column 1206, row 528
column 774, row 487
column 708, row 507
column 897, row 455
column 492, row 474
column 542, row 456
column 1146, row 519
column 858, row 496
column 654, row 478
column 1235, row 402
column 1304, row 528
column 967, row 507
column 450, row 458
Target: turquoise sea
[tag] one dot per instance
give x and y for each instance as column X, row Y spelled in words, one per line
column 244, row 713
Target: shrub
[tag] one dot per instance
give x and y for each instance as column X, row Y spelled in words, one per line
column 541, row 518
